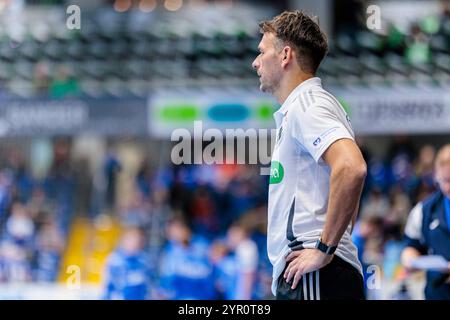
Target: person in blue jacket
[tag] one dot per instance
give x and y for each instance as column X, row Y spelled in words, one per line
column 128, row 270
column 186, row 271
column 236, row 269
column 427, row 231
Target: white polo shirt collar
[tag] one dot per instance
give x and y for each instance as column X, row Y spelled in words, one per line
column 294, row 93
column 281, row 112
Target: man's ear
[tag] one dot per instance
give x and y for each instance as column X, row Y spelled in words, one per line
column 287, row 56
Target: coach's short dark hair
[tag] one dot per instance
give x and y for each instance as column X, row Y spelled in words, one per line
column 299, row 30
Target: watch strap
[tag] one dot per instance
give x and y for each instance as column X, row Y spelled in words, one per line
column 325, row 248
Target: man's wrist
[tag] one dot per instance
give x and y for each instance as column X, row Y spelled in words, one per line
column 325, row 248
column 328, row 242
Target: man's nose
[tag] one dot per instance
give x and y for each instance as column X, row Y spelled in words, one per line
column 255, row 64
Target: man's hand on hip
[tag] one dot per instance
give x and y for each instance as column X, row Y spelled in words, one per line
column 304, row 261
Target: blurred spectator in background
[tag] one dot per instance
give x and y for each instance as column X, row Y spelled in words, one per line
column 393, row 246
column 264, row 270
column 64, row 85
column 378, row 175
column 428, row 230
column 418, row 47
column 50, row 244
column 39, row 203
column 424, row 163
column 137, row 212
column 223, row 267
column 20, row 228
column 17, row 245
column 111, row 168
column 41, row 79
column 401, row 169
column 203, row 212
column 367, row 236
column 236, row 269
column 24, row 183
column 160, row 214
column 422, row 182
column 60, row 183
column 377, row 204
column 401, row 146
column 186, row 271
column 6, row 186
column 242, row 195
column 14, row 263
column 128, row 272
column 399, row 207
column 144, row 178
column 395, row 39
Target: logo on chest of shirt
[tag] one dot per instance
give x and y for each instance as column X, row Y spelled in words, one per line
column 276, row 172
column 434, row 224
column 317, row 142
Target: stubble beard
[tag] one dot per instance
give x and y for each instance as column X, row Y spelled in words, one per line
column 268, row 87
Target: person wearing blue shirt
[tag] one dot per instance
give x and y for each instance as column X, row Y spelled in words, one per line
column 186, row 272
column 226, row 272
column 428, row 230
column 128, row 270
column 366, row 227
column 236, row 269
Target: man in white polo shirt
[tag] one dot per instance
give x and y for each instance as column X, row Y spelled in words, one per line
column 317, row 171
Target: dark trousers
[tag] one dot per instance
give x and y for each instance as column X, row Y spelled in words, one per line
column 336, row 281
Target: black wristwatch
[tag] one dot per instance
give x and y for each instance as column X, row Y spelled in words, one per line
column 324, row 248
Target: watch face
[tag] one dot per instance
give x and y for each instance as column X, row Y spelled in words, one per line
column 324, row 248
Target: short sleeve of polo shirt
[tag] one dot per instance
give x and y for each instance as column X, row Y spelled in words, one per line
column 413, row 229
column 317, row 127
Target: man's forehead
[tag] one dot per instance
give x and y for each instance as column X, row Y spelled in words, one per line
column 268, row 39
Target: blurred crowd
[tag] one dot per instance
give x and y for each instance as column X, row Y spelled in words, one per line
column 191, row 231
column 194, row 232
column 35, row 217
column 215, row 224
column 60, row 85
column 394, row 185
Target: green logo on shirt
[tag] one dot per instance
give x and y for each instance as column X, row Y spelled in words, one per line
column 276, row 172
